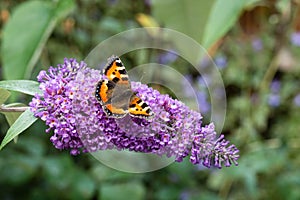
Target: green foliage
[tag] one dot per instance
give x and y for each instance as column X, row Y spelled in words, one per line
column 24, row 36
column 65, row 177
column 222, row 18
column 191, row 20
column 25, row 120
column 129, row 190
column 23, row 86
column 4, row 94
column 17, row 120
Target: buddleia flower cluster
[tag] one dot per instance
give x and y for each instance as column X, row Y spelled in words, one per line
column 77, row 122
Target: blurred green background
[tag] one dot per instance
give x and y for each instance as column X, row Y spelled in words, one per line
column 254, row 43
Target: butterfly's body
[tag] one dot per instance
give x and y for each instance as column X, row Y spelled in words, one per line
column 115, row 94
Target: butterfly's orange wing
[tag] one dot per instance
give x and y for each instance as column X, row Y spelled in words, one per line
column 116, row 72
column 138, row 108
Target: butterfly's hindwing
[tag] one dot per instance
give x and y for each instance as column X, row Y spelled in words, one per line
column 139, row 108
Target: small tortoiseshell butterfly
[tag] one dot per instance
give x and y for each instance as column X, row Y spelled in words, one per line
column 115, row 94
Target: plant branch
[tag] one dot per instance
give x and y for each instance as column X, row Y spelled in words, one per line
column 3, row 108
column 272, row 69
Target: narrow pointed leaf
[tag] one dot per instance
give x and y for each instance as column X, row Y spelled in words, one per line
column 24, row 86
column 222, row 18
column 26, row 33
column 188, row 17
column 25, row 120
column 11, row 117
column 4, row 94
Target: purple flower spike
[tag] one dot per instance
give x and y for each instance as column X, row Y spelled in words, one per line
column 70, row 109
column 55, row 106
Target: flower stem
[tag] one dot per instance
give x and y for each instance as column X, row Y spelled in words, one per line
column 3, row 108
column 269, row 74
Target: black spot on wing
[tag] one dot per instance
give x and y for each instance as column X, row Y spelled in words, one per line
column 119, row 64
column 132, row 105
column 122, row 71
column 144, row 105
column 110, row 85
column 116, row 79
column 148, row 111
column 139, row 101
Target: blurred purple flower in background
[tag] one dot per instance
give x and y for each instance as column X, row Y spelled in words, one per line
column 200, row 92
column 205, row 62
column 297, row 100
column 295, row 39
column 203, row 103
column 70, row 109
column 257, row 44
column 187, row 86
column 275, row 86
column 184, row 195
column 204, row 80
column 148, row 2
column 274, row 100
column 221, row 62
column 274, row 96
column 167, row 57
column 112, row 2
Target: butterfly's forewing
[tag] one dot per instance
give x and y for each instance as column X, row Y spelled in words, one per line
column 116, row 72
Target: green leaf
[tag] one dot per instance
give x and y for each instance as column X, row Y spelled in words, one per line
column 24, row 86
column 188, row 16
column 222, row 17
column 4, row 94
column 83, row 185
column 18, row 168
column 11, row 117
column 284, row 6
column 63, row 8
column 250, row 3
column 133, row 191
column 56, row 167
column 21, row 124
column 26, row 33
